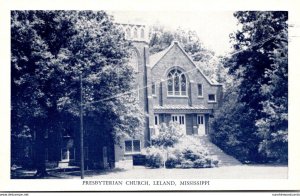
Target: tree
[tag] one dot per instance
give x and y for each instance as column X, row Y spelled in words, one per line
column 259, row 64
column 50, row 50
column 36, row 39
column 273, row 127
column 205, row 59
column 230, row 127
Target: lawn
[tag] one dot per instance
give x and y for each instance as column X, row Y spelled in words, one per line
column 225, row 172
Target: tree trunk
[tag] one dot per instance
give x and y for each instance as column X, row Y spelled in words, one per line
column 40, row 162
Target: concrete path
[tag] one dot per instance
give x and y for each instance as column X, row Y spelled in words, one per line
column 224, row 159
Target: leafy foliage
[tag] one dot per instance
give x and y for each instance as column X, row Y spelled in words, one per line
column 189, row 153
column 50, row 50
column 168, row 135
column 252, row 124
column 154, row 156
column 273, row 127
column 186, row 153
column 232, row 128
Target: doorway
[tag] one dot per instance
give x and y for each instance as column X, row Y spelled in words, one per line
column 201, row 124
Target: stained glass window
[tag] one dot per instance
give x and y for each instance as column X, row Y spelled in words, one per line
column 177, row 83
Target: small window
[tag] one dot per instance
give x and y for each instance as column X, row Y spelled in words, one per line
column 178, row 118
column 200, row 90
column 136, row 146
column 212, row 98
column 132, row 146
column 128, row 146
column 156, row 120
column 200, row 119
column 182, row 120
column 153, row 88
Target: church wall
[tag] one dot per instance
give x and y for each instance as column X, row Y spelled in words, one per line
column 175, row 57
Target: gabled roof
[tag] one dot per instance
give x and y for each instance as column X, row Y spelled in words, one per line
column 155, row 58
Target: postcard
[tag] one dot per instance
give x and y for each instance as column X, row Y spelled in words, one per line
column 149, row 96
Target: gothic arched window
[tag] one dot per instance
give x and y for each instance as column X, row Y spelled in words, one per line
column 142, row 33
column 135, row 34
column 177, row 83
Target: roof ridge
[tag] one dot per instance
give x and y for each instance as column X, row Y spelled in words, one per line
column 155, row 58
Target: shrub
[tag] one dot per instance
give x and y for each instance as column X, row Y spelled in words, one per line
column 189, row 153
column 168, row 135
column 199, row 163
column 154, row 157
column 187, row 164
column 172, row 161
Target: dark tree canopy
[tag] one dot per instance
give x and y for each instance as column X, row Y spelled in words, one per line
column 50, row 50
column 256, row 117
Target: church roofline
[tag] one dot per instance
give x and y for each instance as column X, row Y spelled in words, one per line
column 158, row 56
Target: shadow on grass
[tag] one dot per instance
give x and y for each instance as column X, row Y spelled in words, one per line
column 30, row 174
column 96, row 172
column 267, row 165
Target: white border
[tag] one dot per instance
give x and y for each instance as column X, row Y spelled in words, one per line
column 292, row 183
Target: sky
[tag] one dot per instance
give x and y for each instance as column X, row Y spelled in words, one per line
column 213, row 28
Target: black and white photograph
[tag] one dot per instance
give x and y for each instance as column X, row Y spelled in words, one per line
column 160, row 100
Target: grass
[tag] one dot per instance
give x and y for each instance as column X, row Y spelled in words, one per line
column 140, row 172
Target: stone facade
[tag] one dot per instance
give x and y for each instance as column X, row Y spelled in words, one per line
column 189, row 100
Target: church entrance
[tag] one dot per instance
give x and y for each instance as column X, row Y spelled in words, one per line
column 201, row 124
column 181, row 121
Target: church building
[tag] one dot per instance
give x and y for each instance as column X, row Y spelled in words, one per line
column 176, row 90
column 170, row 88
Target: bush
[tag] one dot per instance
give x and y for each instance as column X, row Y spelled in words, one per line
column 172, row 161
column 199, row 163
column 182, row 152
column 187, row 164
column 233, row 131
column 189, row 153
column 168, row 135
column 154, row 157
